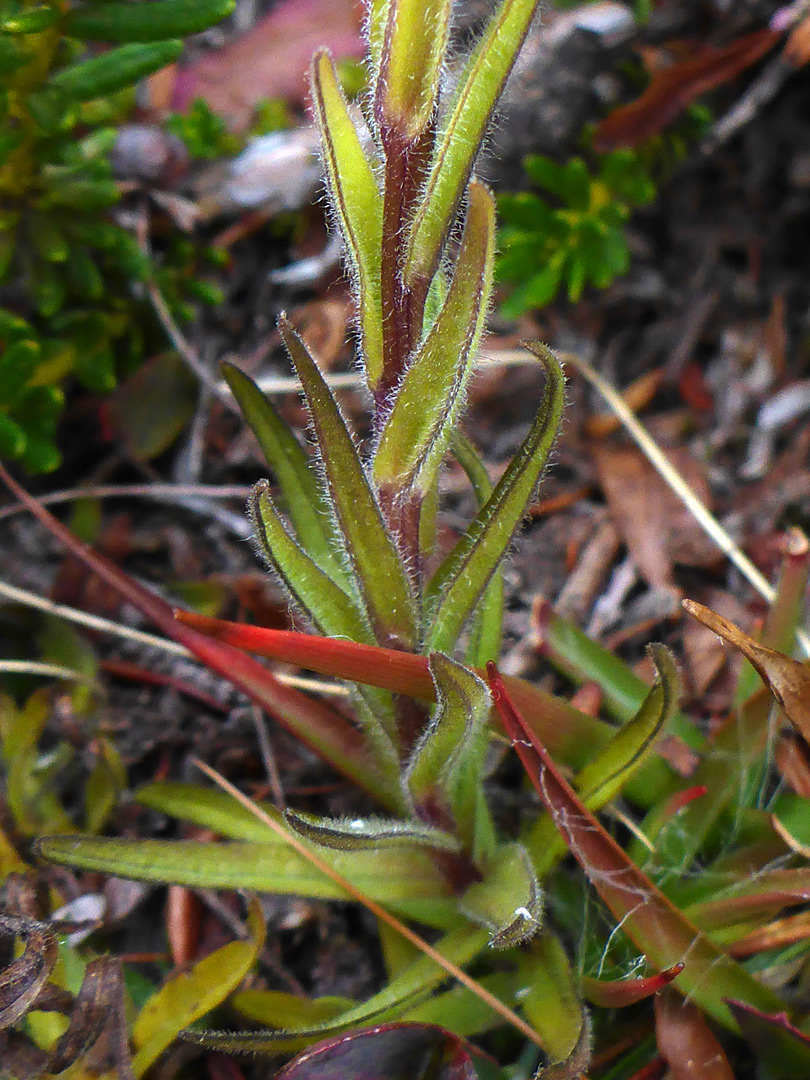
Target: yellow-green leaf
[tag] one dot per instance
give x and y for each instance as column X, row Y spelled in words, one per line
column 189, row 995
column 463, row 132
column 417, row 431
column 357, row 203
column 410, row 65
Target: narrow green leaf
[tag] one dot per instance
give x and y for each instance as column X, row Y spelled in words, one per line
column 410, row 65
column 461, row 946
column 274, row 1008
column 191, row 994
column 605, row 776
column 333, row 611
column 302, row 496
column 509, row 900
column 486, row 632
column 113, row 70
column 357, row 204
column 155, row 21
column 210, row 809
column 464, row 574
column 416, row 434
column 470, row 111
column 381, row 575
column 371, row 833
column 647, row 917
column 552, row 1005
column 408, row 881
column 447, row 762
column 376, row 22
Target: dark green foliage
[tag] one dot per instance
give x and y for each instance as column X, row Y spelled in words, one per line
column 573, row 234
column 67, row 270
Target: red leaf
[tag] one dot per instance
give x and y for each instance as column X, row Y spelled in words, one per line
column 323, row 728
column 687, row 1042
column 388, row 1052
column 565, row 730
column 618, row 993
column 648, row 917
column 675, row 87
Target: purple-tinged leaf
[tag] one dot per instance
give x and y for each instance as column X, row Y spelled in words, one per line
column 388, row 1052
column 775, row 1039
column 686, row 1041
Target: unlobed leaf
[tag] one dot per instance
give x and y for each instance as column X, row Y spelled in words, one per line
column 460, row 946
column 417, row 431
column 552, row 1004
column 606, row 775
column 462, row 133
column 647, row 917
column 114, row 70
column 160, row 19
column 370, row 833
column 381, row 576
column 187, row 996
column 411, row 59
column 461, row 579
column 446, row 764
column 572, row 735
column 619, row 993
column 325, row 729
column 301, row 494
column 410, row 881
column 357, row 203
column 509, row 899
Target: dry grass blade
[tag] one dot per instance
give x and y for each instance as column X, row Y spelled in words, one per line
column 108, row 626
column 399, row 927
column 658, row 460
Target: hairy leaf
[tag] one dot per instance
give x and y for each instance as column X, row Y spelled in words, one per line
column 509, row 900
column 357, row 204
column 410, row 65
column 648, row 918
column 465, row 573
column 302, row 496
column 401, row 879
column 189, row 995
column 325, row 729
column 460, row 945
column 570, row 734
column 604, row 777
column 552, row 1004
column 210, row 809
column 486, row 631
column 446, row 764
column 416, row 434
column 469, row 113
column 382, row 578
column 371, row 833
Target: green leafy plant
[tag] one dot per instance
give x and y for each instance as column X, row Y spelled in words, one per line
column 577, row 238
column 352, row 535
column 66, row 268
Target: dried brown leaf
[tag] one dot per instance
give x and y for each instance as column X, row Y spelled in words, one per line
column 677, row 86
column 787, row 679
